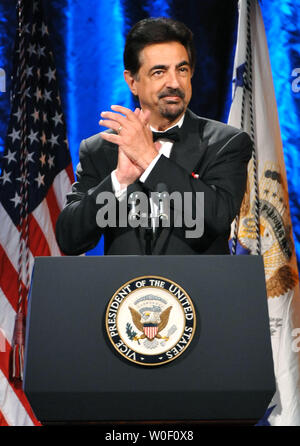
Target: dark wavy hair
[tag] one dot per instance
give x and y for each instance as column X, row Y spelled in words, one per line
column 156, row 30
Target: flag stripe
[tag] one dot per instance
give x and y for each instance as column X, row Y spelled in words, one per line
column 13, row 396
column 62, row 183
column 7, row 319
column 52, row 206
column 13, row 405
column 38, row 243
column 9, row 238
column 9, row 280
column 69, row 170
column 9, row 397
column 42, row 216
column 3, row 421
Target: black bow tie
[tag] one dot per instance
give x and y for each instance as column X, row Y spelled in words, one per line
column 172, row 134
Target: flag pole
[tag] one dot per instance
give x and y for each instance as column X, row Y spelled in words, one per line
column 249, row 62
column 247, row 86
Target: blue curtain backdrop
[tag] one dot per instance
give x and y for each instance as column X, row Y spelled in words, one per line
column 88, row 40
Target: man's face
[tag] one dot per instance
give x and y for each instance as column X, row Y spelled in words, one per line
column 163, row 82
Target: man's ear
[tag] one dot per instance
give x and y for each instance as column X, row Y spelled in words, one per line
column 131, row 82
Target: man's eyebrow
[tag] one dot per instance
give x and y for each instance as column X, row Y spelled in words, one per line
column 158, row 67
column 164, row 67
column 181, row 64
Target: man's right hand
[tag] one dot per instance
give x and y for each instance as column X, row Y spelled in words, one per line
column 126, row 172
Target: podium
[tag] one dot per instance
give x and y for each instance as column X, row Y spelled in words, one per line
column 74, row 373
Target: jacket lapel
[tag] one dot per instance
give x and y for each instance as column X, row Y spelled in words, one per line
column 189, row 151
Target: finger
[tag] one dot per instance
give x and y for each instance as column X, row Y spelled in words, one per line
column 113, row 125
column 145, row 116
column 125, row 111
column 111, row 137
column 114, row 117
column 157, row 145
column 132, row 118
column 142, row 118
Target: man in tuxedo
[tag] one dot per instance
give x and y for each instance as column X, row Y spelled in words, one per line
column 196, row 155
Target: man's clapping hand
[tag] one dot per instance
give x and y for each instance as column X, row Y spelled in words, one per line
column 134, row 138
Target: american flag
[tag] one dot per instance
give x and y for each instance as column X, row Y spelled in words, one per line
column 35, row 177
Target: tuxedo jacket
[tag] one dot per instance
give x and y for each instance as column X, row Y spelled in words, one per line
column 216, row 152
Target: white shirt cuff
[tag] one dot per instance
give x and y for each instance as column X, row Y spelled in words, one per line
column 146, row 172
column 119, row 191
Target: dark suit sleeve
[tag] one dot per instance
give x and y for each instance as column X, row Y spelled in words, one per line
column 223, row 181
column 76, row 228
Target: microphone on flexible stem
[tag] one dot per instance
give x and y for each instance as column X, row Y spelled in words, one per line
column 163, row 211
column 160, row 213
column 136, row 219
column 133, row 214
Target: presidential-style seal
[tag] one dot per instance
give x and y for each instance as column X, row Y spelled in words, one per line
column 150, row 320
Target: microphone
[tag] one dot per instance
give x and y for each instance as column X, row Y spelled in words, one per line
column 137, row 218
column 163, row 210
column 160, row 207
column 133, row 215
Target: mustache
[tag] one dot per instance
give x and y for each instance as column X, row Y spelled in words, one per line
column 171, row 92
